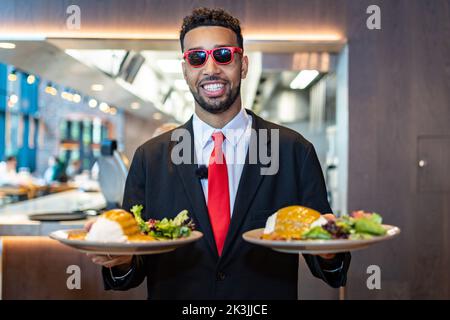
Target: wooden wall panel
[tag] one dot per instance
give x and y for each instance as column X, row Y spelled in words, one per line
column 380, row 141
column 165, row 16
column 36, row 268
column 398, row 89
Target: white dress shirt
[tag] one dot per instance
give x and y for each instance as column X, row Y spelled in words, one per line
column 8, row 176
column 237, row 134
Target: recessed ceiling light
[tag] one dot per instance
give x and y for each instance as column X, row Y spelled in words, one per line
column 7, row 45
column 157, row 116
column 112, row 111
column 14, row 98
column 135, row 105
column 51, row 90
column 76, row 98
column 31, row 79
column 12, row 76
column 303, row 79
column 97, row 87
column 104, row 107
column 67, row 96
column 93, row 103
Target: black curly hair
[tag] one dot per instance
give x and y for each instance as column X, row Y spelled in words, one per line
column 201, row 17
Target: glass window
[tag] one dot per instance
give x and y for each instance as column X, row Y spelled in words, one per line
column 18, row 116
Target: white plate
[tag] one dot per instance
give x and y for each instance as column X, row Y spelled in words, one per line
column 127, row 248
column 318, row 246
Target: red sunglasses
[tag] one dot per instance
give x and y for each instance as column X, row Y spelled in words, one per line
column 222, row 55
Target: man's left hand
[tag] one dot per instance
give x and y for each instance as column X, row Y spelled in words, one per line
column 329, row 217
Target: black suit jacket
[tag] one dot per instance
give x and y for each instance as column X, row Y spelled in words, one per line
column 244, row 271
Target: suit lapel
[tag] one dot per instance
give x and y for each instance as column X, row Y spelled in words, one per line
column 249, row 183
column 194, row 191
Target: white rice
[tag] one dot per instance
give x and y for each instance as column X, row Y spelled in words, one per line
column 270, row 224
column 319, row 222
column 105, row 230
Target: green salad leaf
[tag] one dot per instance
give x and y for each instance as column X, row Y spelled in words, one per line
column 359, row 226
column 180, row 226
column 375, row 217
column 136, row 210
column 367, row 225
column 181, row 218
column 346, row 224
column 317, row 233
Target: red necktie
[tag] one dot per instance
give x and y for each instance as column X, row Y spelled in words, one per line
column 218, row 192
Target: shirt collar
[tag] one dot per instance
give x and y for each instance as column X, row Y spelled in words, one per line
column 233, row 130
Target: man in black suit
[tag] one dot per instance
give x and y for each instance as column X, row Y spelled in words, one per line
column 234, row 197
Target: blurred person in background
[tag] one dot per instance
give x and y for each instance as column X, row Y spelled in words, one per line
column 8, row 172
column 55, row 171
column 9, row 177
column 73, row 169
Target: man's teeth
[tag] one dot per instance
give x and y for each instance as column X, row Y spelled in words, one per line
column 213, row 87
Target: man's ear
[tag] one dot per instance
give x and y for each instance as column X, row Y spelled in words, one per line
column 183, row 67
column 244, row 67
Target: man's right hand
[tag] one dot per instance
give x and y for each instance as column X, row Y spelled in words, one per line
column 122, row 262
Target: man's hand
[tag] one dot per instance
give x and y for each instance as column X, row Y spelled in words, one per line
column 122, row 262
column 329, row 217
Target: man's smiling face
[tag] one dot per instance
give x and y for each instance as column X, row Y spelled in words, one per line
column 215, row 87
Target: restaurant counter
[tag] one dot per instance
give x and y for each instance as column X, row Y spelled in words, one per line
column 24, row 242
column 14, row 219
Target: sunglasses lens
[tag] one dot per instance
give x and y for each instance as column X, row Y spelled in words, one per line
column 197, row 58
column 222, row 55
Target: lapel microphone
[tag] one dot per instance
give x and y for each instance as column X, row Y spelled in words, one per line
column 202, row 172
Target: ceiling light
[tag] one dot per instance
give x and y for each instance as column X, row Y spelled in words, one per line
column 97, row 87
column 51, row 90
column 12, row 76
column 14, row 98
column 104, row 107
column 7, row 45
column 48, row 89
column 157, row 116
column 67, row 96
column 31, row 79
column 181, row 84
column 76, row 98
column 170, row 65
column 303, row 79
column 93, row 103
column 112, row 111
column 135, row 105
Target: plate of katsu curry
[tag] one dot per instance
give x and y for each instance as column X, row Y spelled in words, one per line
column 119, row 232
